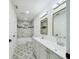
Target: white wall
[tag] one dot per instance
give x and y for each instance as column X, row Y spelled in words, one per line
column 68, row 26
column 12, row 29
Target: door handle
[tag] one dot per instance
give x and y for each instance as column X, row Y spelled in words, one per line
column 10, row 40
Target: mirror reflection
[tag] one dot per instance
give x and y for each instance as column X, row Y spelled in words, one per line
column 59, row 26
column 60, row 23
column 44, row 26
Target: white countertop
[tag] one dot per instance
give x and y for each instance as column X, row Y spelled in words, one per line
column 59, row 50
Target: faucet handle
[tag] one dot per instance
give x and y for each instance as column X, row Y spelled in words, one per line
column 42, row 37
column 56, row 34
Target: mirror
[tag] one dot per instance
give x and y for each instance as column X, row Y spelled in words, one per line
column 59, row 20
column 44, row 26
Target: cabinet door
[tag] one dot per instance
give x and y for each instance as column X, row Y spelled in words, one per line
column 52, row 55
column 36, row 49
column 40, row 51
column 43, row 54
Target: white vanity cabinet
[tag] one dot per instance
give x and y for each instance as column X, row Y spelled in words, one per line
column 39, row 50
column 52, row 55
column 42, row 52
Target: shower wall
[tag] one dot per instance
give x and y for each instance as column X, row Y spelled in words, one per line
column 24, row 29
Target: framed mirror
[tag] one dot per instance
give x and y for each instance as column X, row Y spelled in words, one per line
column 44, row 26
column 59, row 23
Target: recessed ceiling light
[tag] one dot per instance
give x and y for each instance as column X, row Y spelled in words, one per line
column 27, row 12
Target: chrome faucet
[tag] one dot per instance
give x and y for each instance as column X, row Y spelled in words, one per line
column 42, row 37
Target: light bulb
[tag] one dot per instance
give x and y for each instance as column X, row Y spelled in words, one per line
column 27, row 12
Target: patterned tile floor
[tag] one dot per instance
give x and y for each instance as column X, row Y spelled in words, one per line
column 24, row 51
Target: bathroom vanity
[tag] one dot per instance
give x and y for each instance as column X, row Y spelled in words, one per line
column 45, row 49
column 49, row 45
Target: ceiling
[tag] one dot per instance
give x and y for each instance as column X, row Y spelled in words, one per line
column 28, row 9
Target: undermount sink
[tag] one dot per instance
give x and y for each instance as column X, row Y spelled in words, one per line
column 61, row 42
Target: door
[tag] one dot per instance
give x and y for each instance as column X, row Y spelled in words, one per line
column 12, row 30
